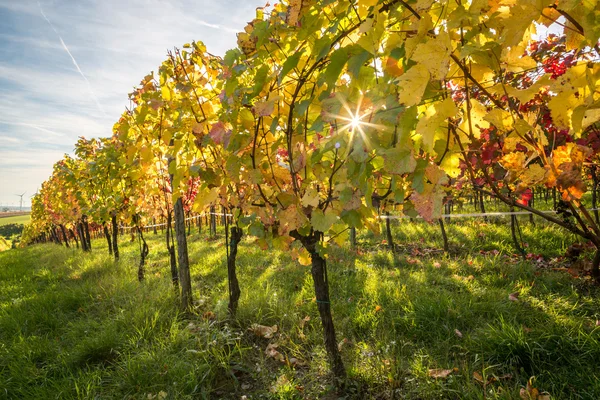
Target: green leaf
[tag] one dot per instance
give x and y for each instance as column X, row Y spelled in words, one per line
column 322, row 47
column 357, row 61
column 321, row 222
column 336, row 64
column 259, row 80
column 290, row 63
column 231, row 57
column 256, row 229
column 400, row 161
column 353, row 218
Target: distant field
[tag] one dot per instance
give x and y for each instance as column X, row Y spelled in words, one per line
column 19, row 219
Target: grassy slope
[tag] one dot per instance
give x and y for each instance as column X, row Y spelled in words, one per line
column 20, row 219
column 80, row 326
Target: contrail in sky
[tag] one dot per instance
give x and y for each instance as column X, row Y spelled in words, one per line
column 72, row 59
column 39, row 128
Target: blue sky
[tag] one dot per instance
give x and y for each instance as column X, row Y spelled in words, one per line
column 46, row 101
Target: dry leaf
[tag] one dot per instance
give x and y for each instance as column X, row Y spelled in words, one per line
column 209, row 315
column 478, row 378
column 531, row 393
column 440, row 373
column 271, row 351
column 295, row 362
column 378, row 308
column 504, row 377
column 265, row 331
column 342, row 343
column 458, row 333
column 514, row 296
column 303, row 321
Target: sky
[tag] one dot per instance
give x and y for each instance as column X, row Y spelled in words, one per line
column 66, row 67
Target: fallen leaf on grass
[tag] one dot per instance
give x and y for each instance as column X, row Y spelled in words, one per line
column 439, row 373
column 514, row 296
column 209, row 315
column 159, row 396
column 458, row 333
column 342, row 343
column 478, row 378
column 303, row 321
column 378, row 308
column 271, row 351
column 531, row 393
column 265, row 331
column 295, row 362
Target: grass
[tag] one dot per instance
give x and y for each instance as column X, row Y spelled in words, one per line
column 76, row 325
column 19, row 219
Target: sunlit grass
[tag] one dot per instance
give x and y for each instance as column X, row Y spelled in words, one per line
column 19, row 219
column 76, row 325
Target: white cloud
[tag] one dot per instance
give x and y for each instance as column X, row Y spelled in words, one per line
column 44, row 102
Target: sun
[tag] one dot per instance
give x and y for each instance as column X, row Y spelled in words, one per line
column 355, row 122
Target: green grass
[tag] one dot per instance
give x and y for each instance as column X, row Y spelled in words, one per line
column 76, row 325
column 19, row 219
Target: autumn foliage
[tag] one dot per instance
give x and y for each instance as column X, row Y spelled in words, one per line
column 329, row 111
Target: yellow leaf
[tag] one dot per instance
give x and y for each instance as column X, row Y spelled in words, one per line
column 522, row 127
column 435, row 116
column 436, row 175
column 265, row 108
column 246, row 118
column 533, row 174
column 478, row 118
column 561, row 108
column 433, row 54
column 523, row 95
column 501, row 119
column 412, row 85
column 290, row 219
column 304, row 257
column 482, row 73
column 513, row 161
column 516, row 60
column 165, row 92
column 204, row 198
column 294, row 12
column 590, row 117
column 310, row 198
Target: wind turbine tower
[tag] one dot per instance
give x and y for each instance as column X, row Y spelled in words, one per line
column 21, row 202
